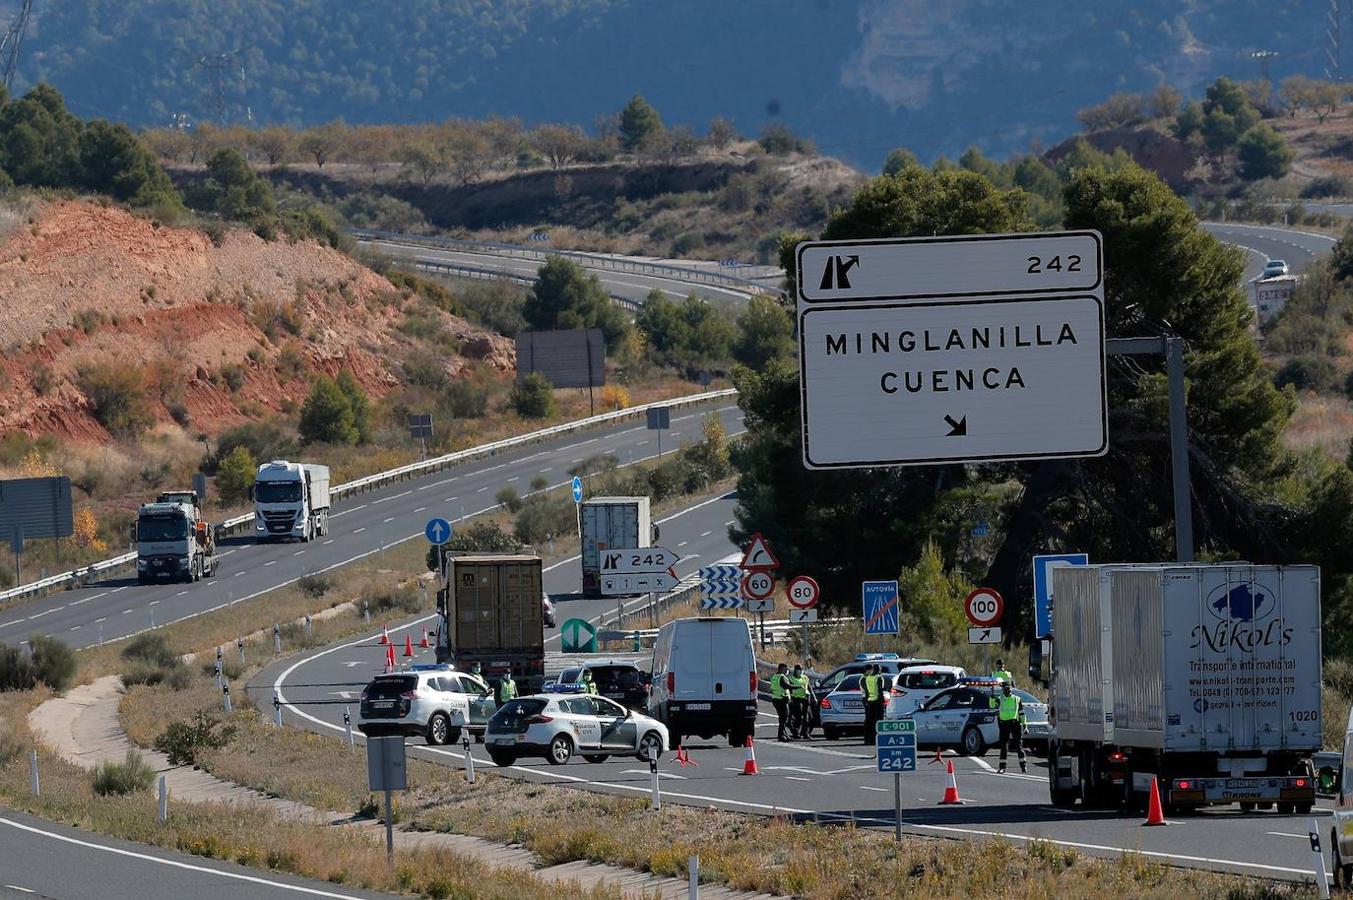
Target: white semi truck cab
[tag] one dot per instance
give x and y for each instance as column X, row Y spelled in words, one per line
column 173, row 543
column 291, row 500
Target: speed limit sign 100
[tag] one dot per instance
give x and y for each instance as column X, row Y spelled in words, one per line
column 802, row 592
column 984, row 607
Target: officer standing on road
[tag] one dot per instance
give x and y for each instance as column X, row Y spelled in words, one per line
column 507, row 688
column 1010, row 721
column 799, row 704
column 780, row 689
column 1002, row 674
column 589, row 685
column 872, row 685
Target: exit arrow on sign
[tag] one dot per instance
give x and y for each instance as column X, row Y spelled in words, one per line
column 956, row 429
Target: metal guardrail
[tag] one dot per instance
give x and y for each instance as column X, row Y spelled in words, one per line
column 80, row 577
column 589, row 260
column 463, row 271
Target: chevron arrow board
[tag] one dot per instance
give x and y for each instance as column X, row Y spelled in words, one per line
column 708, row 573
column 721, row 586
column 721, row 603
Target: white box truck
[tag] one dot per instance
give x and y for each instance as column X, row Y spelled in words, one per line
column 1205, row 677
column 611, row 523
column 291, row 500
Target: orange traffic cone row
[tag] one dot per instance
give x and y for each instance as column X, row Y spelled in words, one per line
column 950, row 788
column 385, row 635
column 1154, row 814
column 389, row 658
column 749, row 761
column 424, row 642
column 408, row 646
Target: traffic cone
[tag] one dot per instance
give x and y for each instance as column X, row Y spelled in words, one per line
column 385, row 636
column 938, row 758
column 389, row 658
column 685, row 758
column 950, row 788
column 749, row 762
column 424, row 642
column 1154, row 814
column 408, row 646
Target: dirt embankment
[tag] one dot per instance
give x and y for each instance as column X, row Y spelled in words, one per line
column 215, row 334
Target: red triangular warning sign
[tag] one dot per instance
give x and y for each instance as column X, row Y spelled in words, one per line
column 758, row 555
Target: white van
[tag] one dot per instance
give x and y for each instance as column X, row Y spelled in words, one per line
column 704, row 679
column 1341, row 835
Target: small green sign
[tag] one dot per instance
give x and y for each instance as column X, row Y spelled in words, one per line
column 578, row 636
column 892, row 725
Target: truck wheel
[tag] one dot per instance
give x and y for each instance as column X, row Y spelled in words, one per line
column 1265, row 805
column 1247, row 806
column 1286, row 808
column 561, row 748
column 1304, row 808
column 973, row 745
column 1061, row 798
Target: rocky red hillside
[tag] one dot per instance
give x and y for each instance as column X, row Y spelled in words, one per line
column 217, row 332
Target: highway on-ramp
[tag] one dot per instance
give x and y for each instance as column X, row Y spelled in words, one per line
column 361, row 525
column 1264, row 242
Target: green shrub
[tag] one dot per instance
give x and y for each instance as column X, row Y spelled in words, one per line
column 542, row 516
column 533, row 397
column 507, row 498
column 117, row 398
column 10, row 748
column 688, row 242
column 151, row 647
column 482, row 536
column 327, row 415
column 463, row 399
column 182, row 741
column 16, row 669
column 404, row 597
column 131, row 775
column 176, row 674
column 235, row 475
column 1307, row 373
column 315, row 586
column 53, row 662
column 233, row 375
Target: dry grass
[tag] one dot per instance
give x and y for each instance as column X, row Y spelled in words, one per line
column 252, row 837
column 1321, row 421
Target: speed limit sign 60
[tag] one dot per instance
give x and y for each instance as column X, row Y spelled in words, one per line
column 802, row 592
column 758, row 585
column 984, row 607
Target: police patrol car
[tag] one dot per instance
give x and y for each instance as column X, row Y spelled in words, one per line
column 430, row 700
column 962, row 717
column 556, row 726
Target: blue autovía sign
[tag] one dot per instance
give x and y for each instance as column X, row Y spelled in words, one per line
column 1043, row 586
column 881, row 607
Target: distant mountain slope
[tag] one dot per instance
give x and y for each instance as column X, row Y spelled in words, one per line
column 859, row 76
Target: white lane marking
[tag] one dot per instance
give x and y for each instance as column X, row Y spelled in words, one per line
column 1288, row 834
column 387, row 521
column 482, row 490
column 395, row 497
column 729, row 522
column 179, row 594
column 706, row 533
column 360, row 530
column 104, row 619
column 983, row 763
column 797, row 778
column 44, row 613
column 328, row 542
column 865, row 787
column 237, row 575
column 76, row 627
column 87, row 599
column 298, row 553
column 346, row 511
column 546, row 469
column 576, row 461
column 421, row 509
column 176, row 864
column 450, row 499
column 225, row 553
column 683, row 543
column 646, row 772
column 515, row 478
column 157, row 602
column 115, row 590
column 17, row 621
column 24, row 890
column 271, row 562
column 125, row 611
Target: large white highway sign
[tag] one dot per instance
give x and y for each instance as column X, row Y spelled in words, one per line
column 939, row 378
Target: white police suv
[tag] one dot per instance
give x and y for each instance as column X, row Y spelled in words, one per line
column 430, row 700
column 557, row 726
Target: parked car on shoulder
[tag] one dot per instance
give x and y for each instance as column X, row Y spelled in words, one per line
column 558, row 726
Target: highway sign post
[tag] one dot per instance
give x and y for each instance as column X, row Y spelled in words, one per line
column 577, row 488
column 386, row 771
column 578, row 636
column 803, row 593
column 984, row 608
column 895, row 749
column 1043, row 566
column 659, row 420
column 721, row 587
column 882, row 607
column 922, row 351
column 438, row 531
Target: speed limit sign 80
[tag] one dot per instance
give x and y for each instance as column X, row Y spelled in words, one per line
column 984, row 607
column 802, row 592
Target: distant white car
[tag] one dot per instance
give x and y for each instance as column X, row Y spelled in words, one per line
column 558, row 726
column 914, row 685
column 1273, row 268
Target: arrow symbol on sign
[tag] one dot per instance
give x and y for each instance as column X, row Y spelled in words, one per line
column 437, row 532
column 956, row 429
column 986, row 633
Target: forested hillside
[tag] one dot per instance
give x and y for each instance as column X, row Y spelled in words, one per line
column 858, row 76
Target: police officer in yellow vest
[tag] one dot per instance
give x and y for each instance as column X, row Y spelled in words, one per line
column 507, row 689
column 1010, row 721
column 871, row 685
column 798, row 700
column 589, row 685
column 1002, row 674
column 780, row 688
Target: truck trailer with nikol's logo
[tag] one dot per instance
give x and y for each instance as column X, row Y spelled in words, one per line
column 1205, row 678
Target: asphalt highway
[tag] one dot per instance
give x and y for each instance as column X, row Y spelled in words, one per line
column 830, row 781
column 361, row 526
column 42, row 859
column 1263, row 242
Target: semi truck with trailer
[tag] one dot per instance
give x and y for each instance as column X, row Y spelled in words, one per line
column 1204, row 678
column 611, row 523
column 291, row 500
column 173, row 543
column 490, row 613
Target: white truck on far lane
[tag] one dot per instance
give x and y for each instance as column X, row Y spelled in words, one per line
column 291, row 500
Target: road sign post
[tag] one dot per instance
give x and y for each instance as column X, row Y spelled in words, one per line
column 578, row 636
column 803, row 593
column 721, row 586
column 895, row 751
column 1043, row 599
column 984, row 608
column 386, row 771
column 882, row 607
column 437, row 531
column 922, row 351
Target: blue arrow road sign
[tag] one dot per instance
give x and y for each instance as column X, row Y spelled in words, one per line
column 438, row 531
column 708, row 573
column 721, row 602
column 1043, row 587
column 577, row 489
column 881, row 606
